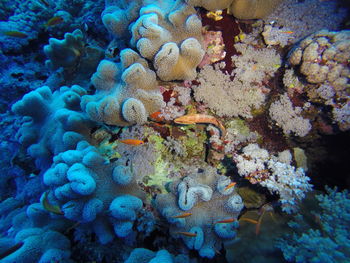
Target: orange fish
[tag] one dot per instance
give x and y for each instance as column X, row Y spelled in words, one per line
column 249, row 220
column 54, row 21
column 155, row 116
column 230, row 186
column 132, row 142
column 17, row 34
column 182, row 215
column 201, row 118
column 258, row 225
column 288, row 32
column 230, row 220
column 187, row 234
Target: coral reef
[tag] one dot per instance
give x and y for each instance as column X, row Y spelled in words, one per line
column 173, row 131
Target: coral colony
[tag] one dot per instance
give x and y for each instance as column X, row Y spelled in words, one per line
column 174, row 131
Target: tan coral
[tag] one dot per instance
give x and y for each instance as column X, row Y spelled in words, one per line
column 169, row 36
column 127, row 101
column 322, row 58
column 242, row 9
column 252, row 9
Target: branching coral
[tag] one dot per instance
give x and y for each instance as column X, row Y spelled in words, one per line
column 329, row 242
column 161, row 256
column 274, row 173
column 289, row 118
column 220, row 93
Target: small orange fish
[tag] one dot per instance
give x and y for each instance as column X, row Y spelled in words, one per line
column 201, row 118
column 230, row 220
column 182, row 215
column 54, row 21
column 17, row 34
column 258, row 225
column 288, row 32
column 187, row 234
column 155, row 116
column 249, row 220
column 132, row 142
column 230, row 186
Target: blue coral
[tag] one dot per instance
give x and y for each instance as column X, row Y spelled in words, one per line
column 142, row 255
column 329, row 243
column 84, row 184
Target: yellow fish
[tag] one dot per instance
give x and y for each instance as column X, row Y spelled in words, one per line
column 54, row 21
column 49, row 207
column 17, row 34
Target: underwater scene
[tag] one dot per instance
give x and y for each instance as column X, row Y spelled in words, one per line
column 174, row 131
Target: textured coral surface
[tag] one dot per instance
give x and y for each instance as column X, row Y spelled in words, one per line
column 174, row 131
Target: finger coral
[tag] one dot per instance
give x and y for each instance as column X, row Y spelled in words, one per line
column 85, row 185
column 40, row 246
column 169, row 35
column 127, row 101
column 73, row 54
column 52, row 122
